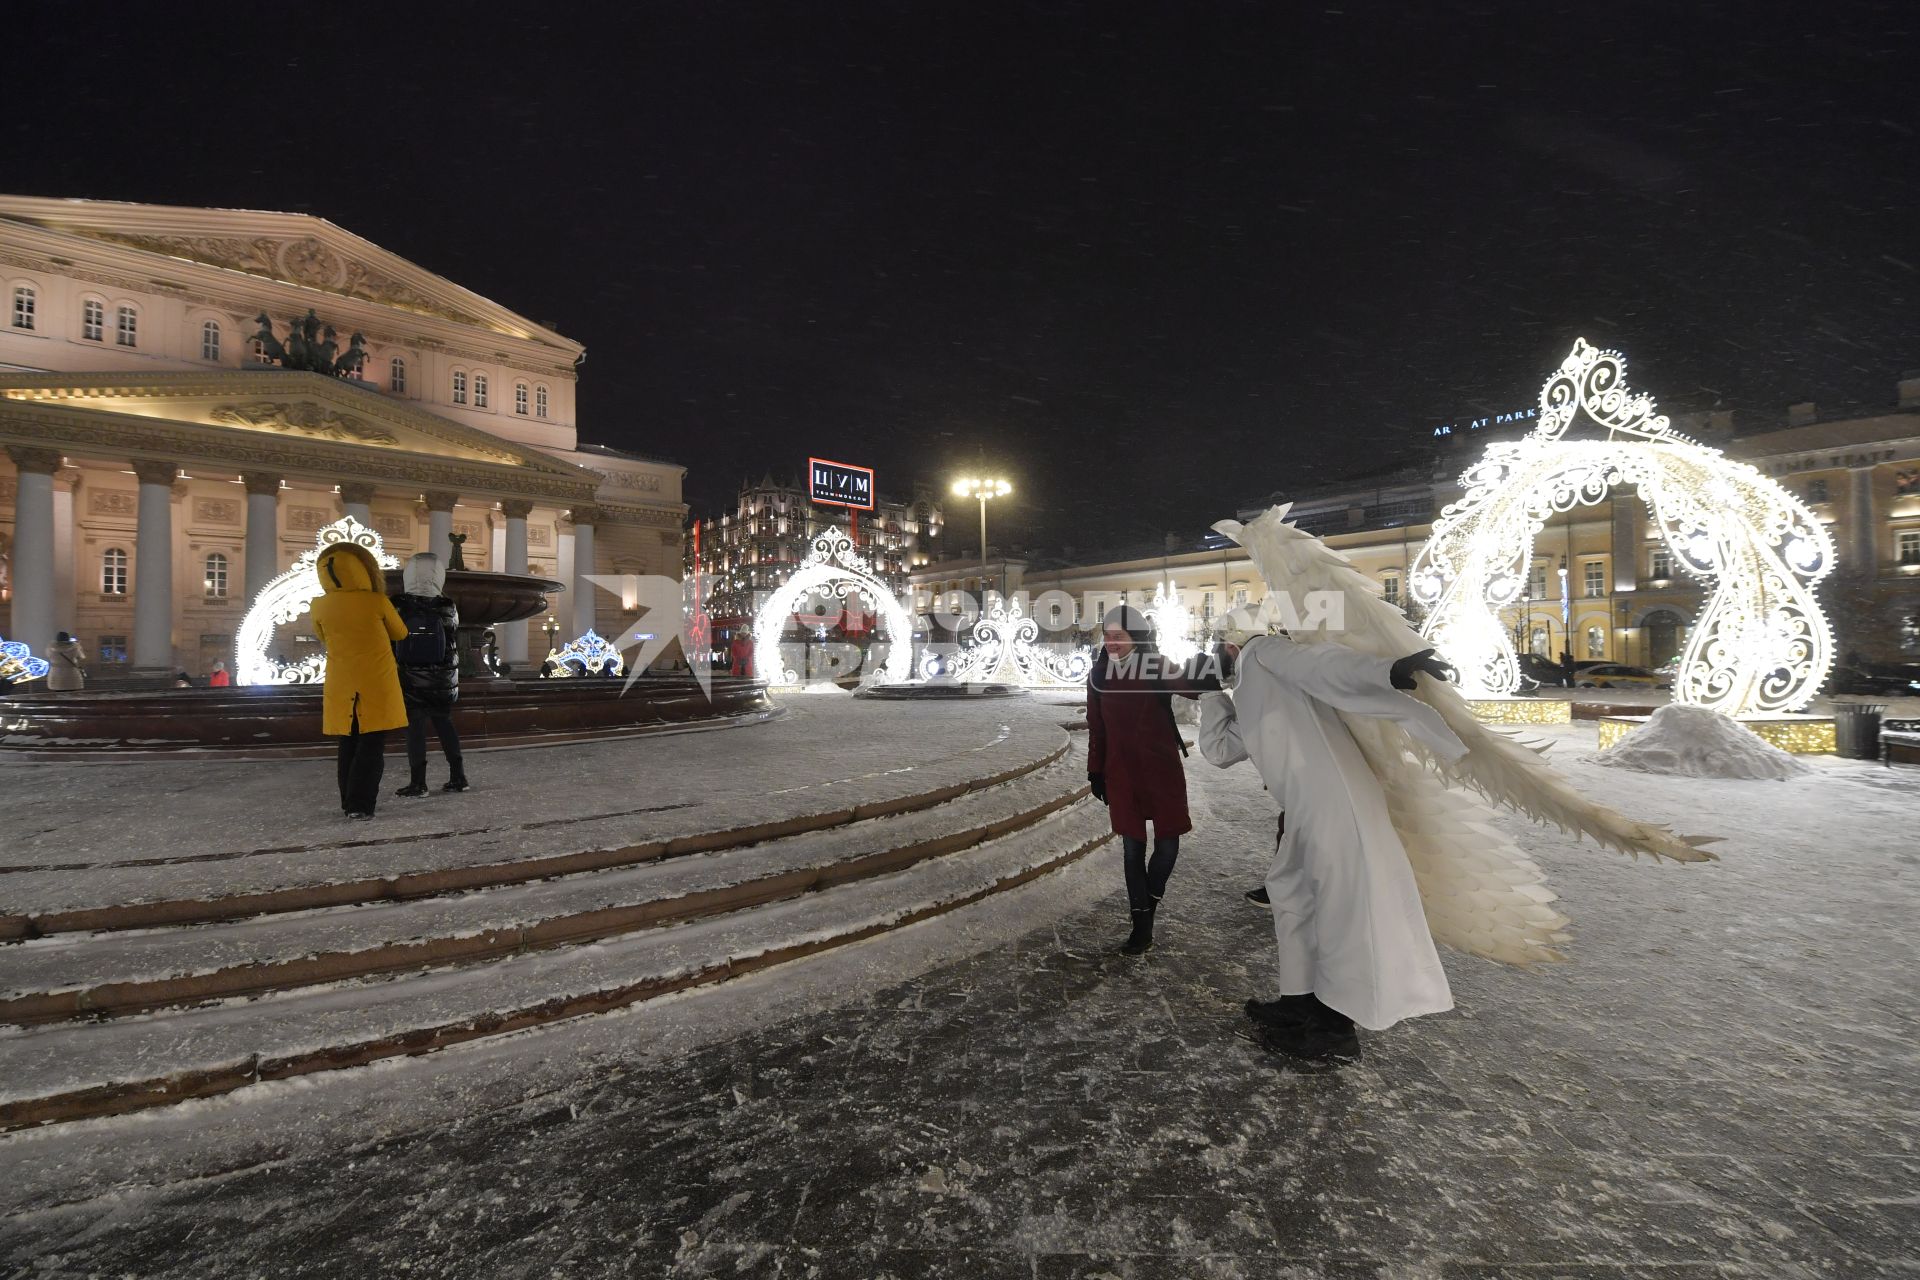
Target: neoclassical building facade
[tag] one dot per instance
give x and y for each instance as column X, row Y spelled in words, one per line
column 159, row 467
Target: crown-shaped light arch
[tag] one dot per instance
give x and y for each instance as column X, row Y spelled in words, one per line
column 835, row 570
column 1760, row 644
column 285, row 598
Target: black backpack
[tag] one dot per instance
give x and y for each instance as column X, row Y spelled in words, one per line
column 426, row 642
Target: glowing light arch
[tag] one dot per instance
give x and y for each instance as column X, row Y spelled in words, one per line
column 1172, row 624
column 591, row 651
column 287, row 597
column 1760, row 643
column 834, row 569
column 1006, row 650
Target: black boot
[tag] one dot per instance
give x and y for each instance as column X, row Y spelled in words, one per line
column 1288, row 1013
column 1140, row 941
column 1259, row 897
column 412, row 789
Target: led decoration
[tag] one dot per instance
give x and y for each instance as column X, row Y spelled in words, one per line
column 1172, row 622
column 17, row 663
column 1521, row 710
column 833, row 569
column 1795, row 735
column 287, row 597
column 1760, row 645
column 1005, row 649
column 592, row 652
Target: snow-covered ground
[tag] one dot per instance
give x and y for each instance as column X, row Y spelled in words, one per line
column 1722, row 1082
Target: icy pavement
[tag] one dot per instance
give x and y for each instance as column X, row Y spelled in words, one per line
column 1721, row 1084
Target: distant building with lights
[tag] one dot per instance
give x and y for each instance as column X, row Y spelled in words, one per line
column 1620, row 598
column 750, row 551
column 159, row 467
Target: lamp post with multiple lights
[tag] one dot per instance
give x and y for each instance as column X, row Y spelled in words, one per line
column 985, row 489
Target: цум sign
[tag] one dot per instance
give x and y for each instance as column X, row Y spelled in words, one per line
column 839, row 484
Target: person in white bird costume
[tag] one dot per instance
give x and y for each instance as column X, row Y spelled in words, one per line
column 1381, row 855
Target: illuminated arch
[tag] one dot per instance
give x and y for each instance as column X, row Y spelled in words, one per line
column 287, row 597
column 1006, row 650
column 834, row 569
column 1760, row 644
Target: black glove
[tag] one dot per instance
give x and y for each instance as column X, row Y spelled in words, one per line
column 1402, row 675
column 1098, row 781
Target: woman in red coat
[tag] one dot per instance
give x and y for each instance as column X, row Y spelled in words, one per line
column 1134, row 757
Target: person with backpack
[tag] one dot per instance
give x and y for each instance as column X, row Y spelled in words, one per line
column 1134, row 757
column 429, row 661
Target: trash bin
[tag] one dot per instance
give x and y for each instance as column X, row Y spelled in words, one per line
column 1856, row 729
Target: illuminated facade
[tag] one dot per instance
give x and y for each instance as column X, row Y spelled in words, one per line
column 157, row 474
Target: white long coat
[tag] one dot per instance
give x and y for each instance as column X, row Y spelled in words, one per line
column 1346, row 909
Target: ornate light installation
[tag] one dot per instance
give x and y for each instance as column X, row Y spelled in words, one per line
column 17, row 663
column 1172, row 624
column 287, row 597
column 1760, row 645
column 835, row 570
column 1006, row 650
column 591, row 652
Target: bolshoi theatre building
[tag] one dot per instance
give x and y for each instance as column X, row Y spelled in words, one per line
column 161, row 465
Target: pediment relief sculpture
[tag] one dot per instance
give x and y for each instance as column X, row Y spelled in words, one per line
column 303, row 419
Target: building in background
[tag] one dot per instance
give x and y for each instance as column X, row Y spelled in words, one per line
column 160, row 466
column 1602, row 587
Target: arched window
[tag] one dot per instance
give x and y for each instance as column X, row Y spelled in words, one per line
column 397, row 380
column 540, row 401
column 25, row 306
column 113, row 571
column 479, row 390
column 93, row 320
column 210, row 341
column 216, row 580
column 459, row 387
column 126, row 329
column 1596, row 642
column 1539, row 642
column 520, row 398
column 1390, row 589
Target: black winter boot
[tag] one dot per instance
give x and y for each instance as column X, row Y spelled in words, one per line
column 1140, row 941
column 412, row 789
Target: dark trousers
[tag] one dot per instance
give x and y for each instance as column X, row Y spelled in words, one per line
column 362, row 760
column 1147, row 880
column 417, row 720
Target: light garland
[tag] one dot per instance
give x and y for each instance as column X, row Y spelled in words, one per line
column 1795, row 735
column 1760, row 644
column 1521, row 710
column 17, row 663
column 1172, row 621
column 833, row 569
column 590, row 651
column 288, row 596
column 1006, row 650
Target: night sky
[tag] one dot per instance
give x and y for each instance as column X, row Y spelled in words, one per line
column 1152, row 262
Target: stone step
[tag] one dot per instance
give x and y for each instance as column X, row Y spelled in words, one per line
column 71, row 1070
column 118, row 973
column 48, row 898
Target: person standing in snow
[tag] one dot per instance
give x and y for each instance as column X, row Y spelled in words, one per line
column 218, row 677
column 429, row 662
column 66, row 665
column 1352, row 936
column 1134, row 758
column 356, row 622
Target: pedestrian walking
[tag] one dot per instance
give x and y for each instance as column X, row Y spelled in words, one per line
column 1134, row 758
column 429, row 662
column 357, row 624
column 66, row 665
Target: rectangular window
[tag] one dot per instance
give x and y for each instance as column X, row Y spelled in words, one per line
column 520, row 398
column 1239, row 596
column 1596, row 578
column 126, row 329
column 93, row 321
column 1540, row 582
column 399, row 378
column 1206, row 604
column 210, row 341
column 1662, row 566
column 23, row 307
column 1909, row 545
column 459, row 388
column 113, row 572
column 540, row 402
column 111, row 649
column 479, row 390
column 1390, row 589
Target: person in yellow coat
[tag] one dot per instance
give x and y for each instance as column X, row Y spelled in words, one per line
column 357, row 624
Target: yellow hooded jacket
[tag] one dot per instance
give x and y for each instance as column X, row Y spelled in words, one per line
column 357, row 623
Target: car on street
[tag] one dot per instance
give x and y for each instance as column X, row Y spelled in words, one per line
column 1617, row 675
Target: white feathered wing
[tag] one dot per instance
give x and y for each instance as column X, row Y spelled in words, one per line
column 1481, row 892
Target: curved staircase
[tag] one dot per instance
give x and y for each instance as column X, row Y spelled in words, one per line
column 215, row 972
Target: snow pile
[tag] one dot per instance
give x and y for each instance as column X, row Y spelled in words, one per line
column 1697, row 743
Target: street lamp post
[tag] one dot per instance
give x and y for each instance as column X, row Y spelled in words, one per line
column 983, row 489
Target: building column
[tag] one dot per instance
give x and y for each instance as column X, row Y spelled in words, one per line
column 1866, row 531
column 66, row 483
column 513, row 635
column 153, row 567
column 33, row 548
column 357, row 498
column 584, row 519
column 263, row 530
column 440, row 505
